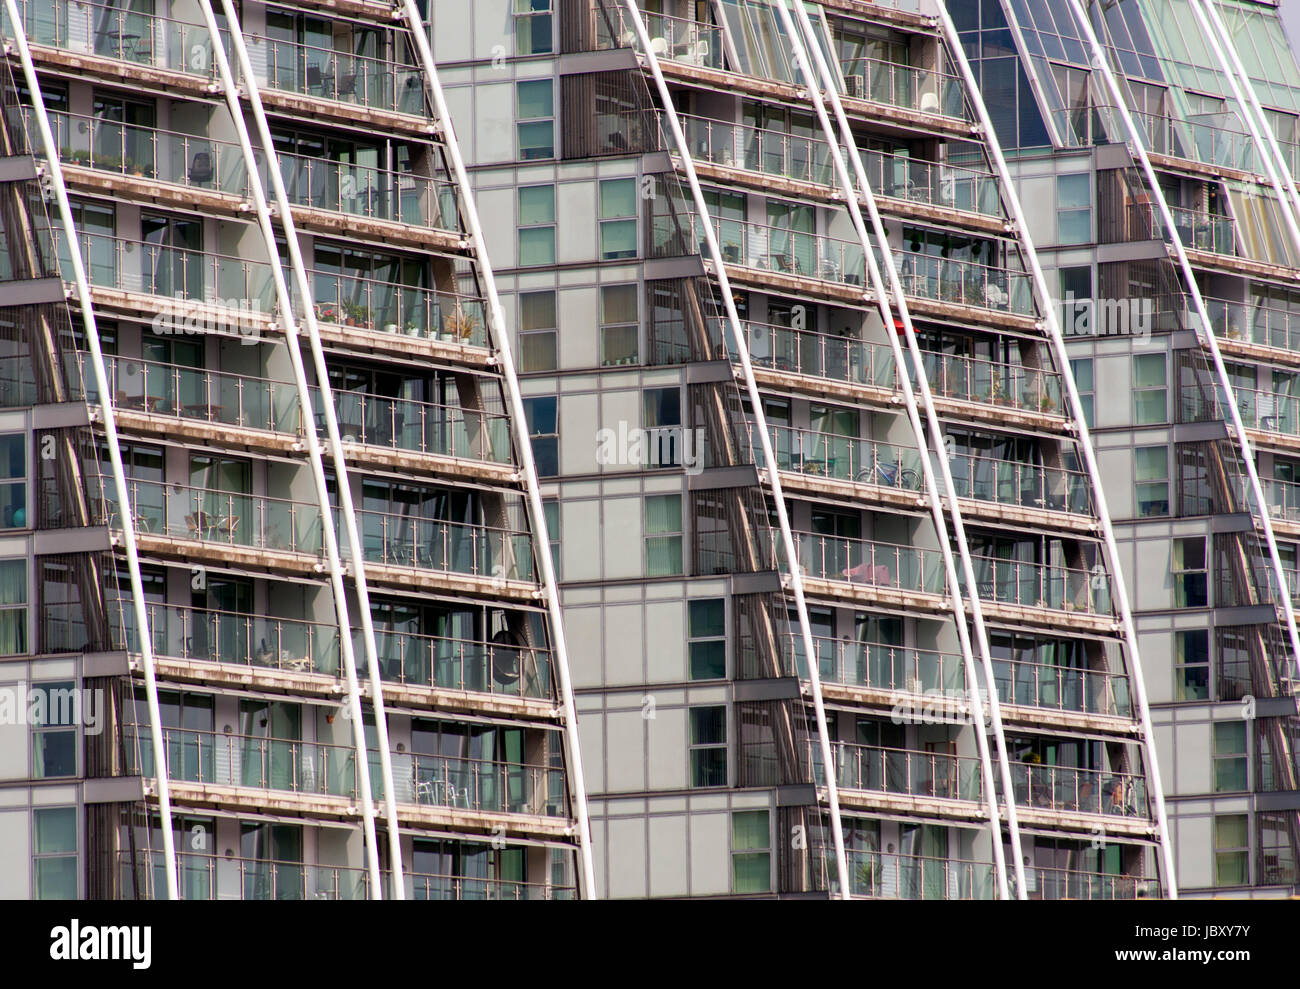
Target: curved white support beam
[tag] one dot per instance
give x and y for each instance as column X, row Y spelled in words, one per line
column 289, row 324
column 528, row 467
column 126, row 510
column 932, row 452
column 795, row 577
column 347, row 512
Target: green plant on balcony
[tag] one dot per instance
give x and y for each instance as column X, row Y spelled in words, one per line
column 356, row 314
column 461, row 325
column 998, row 393
column 1047, row 404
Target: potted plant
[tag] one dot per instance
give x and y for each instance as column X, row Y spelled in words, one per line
column 412, row 328
column 1047, row 404
column 460, row 325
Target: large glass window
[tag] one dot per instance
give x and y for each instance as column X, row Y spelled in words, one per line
column 1192, row 664
column 708, row 746
column 1191, row 575
column 535, row 119
column 617, row 219
column 620, row 325
column 1150, row 390
column 1231, row 850
column 1151, row 480
column 54, row 729
column 13, row 607
column 751, row 851
column 54, row 853
column 663, row 535
column 533, row 35
column 536, row 225
column 537, row 331
column 1230, row 763
column 1083, row 382
column 707, row 639
column 1074, row 209
column 542, row 417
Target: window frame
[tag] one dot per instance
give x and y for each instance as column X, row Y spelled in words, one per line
column 535, row 226
column 754, row 853
column 530, row 14
column 708, row 639
column 530, row 336
column 552, row 437
column 58, row 855
column 667, row 535
column 522, row 122
column 695, row 748
column 622, row 327
column 1143, row 391
column 619, row 220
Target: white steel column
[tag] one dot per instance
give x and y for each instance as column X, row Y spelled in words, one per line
column 1204, row 332
column 1048, row 310
column 795, row 577
column 126, row 511
column 528, row 467
column 931, row 453
column 346, row 507
column 289, row 324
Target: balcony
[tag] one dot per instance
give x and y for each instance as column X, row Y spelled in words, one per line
column 424, row 886
column 851, row 568
column 17, row 381
column 879, row 666
column 1045, row 883
column 338, row 76
column 1008, row 393
column 1283, row 499
column 828, row 358
column 202, row 164
column 260, row 643
column 780, row 155
column 1269, row 411
column 889, row 876
column 780, row 251
column 1032, row 488
column 1197, row 229
column 357, row 304
column 969, row 284
column 207, row 877
column 218, row 402
column 905, row 773
column 907, row 87
column 841, row 458
column 675, row 39
column 1016, row 587
column 311, row 769
column 1048, row 687
column 490, row 555
column 1255, row 323
column 1205, row 143
column 1067, row 790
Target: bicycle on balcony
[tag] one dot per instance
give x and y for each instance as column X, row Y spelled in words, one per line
column 889, row 475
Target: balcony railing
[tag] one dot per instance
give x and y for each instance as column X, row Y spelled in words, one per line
column 1197, row 229
column 872, row 564
column 910, row 773
column 419, row 427
column 1044, row 883
column 677, row 39
column 1255, row 322
column 261, row 763
column 1283, row 498
column 1268, row 411
column 964, row 283
column 785, row 251
column 908, row 87
column 879, row 666
column 499, row 666
column 338, row 76
column 1201, row 141
column 453, row 547
column 973, row 379
column 889, row 876
column 17, row 381
column 108, row 32
column 1062, row 688
column 375, row 193
column 1010, row 482
column 392, row 308
column 1039, row 585
column 207, row 515
column 934, row 184
column 425, row 886
column 1079, row 791
column 844, row 458
column 755, row 149
column 207, row 877
column 177, row 274
column 819, row 355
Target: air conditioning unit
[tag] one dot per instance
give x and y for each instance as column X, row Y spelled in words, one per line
column 855, row 87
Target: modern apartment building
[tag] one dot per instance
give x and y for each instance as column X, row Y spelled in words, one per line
column 241, row 293
column 837, row 570
column 1176, row 215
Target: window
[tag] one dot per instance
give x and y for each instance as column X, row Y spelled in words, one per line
column 535, row 119
column 1073, row 209
column 54, row 729
column 1151, row 477
column 13, row 607
column 617, row 219
column 541, row 415
column 1231, row 849
column 1230, row 757
column 54, row 853
column 620, row 325
column 1191, row 575
column 1192, row 664
column 707, row 639
column 751, row 852
column 537, row 225
column 1083, row 382
column 533, row 27
column 708, row 746
column 1150, row 390
column 537, row 337
column 13, row 481
column 551, row 507
column 663, row 535
column 1076, row 300
column 662, row 419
